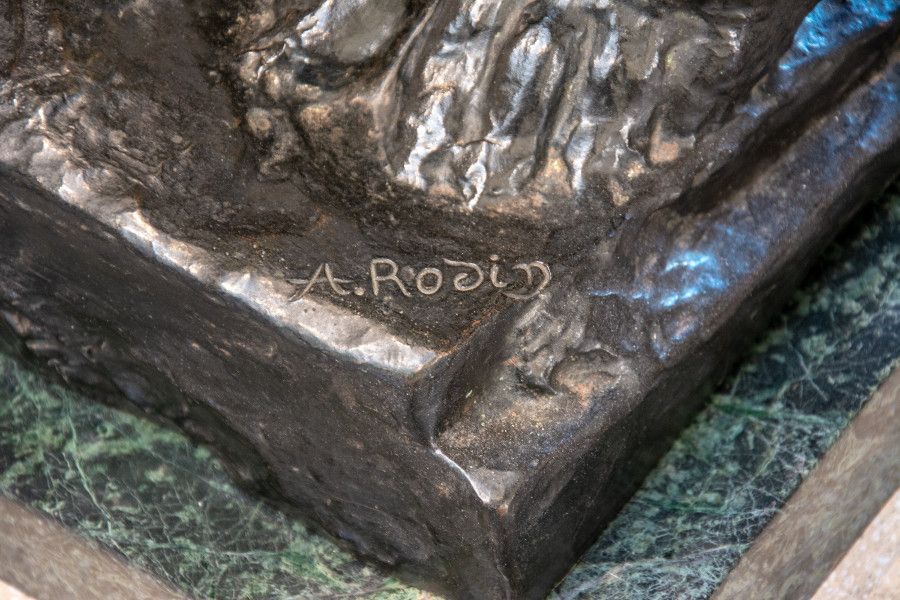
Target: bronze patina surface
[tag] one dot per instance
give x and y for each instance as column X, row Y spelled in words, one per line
column 444, row 277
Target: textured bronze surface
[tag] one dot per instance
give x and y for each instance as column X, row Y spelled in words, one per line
column 443, row 276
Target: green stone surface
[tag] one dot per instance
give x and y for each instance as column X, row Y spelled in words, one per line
column 168, row 506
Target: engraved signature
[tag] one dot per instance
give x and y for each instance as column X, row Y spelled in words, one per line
column 525, row 280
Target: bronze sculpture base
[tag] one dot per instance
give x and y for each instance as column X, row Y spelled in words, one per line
column 473, row 418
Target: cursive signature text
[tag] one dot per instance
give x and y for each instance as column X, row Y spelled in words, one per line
column 521, row 281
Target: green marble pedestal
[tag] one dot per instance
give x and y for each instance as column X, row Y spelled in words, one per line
column 131, row 496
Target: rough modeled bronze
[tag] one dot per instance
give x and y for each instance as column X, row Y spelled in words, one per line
column 445, row 277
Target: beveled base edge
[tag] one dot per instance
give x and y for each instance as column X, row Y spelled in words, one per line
column 798, row 549
column 49, row 562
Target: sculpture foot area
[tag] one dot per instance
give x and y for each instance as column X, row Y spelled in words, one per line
column 444, row 278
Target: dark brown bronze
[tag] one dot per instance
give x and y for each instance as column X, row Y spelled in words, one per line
column 444, row 277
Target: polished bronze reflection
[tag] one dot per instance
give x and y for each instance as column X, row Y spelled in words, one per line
column 443, row 277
